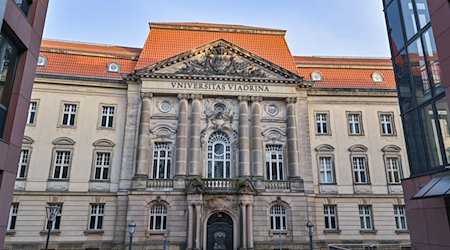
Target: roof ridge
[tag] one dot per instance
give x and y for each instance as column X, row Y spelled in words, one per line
column 217, row 27
column 88, row 43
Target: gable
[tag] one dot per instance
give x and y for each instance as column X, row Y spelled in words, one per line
column 219, row 60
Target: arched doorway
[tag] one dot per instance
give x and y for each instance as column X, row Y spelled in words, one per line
column 220, row 232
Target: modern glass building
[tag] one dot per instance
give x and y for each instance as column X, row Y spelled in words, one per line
column 419, row 34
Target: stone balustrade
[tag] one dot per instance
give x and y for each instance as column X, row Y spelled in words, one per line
column 277, row 185
column 220, row 184
column 159, row 184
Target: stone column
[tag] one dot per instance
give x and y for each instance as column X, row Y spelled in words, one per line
column 140, row 178
column 198, row 217
column 181, row 142
column 190, row 226
column 292, row 139
column 194, row 139
column 250, row 226
column 256, row 143
column 244, row 143
column 244, row 229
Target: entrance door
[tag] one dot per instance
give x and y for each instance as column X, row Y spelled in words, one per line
column 220, row 232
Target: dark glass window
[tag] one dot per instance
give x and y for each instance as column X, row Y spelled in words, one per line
column 402, row 77
column 409, row 19
column 444, row 122
column 395, row 27
column 419, row 71
column 417, row 161
column 24, row 5
column 432, row 59
column 431, row 136
column 9, row 55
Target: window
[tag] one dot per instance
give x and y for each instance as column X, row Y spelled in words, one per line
column 329, row 213
column 107, row 117
column 354, row 124
column 326, row 171
column 158, row 218
column 56, row 224
column 69, row 114
column 278, row 218
column 96, row 217
column 162, row 160
column 274, row 162
column 219, row 155
column 24, row 5
column 365, row 217
column 322, row 124
column 393, row 170
column 387, row 124
column 9, row 56
column 32, row 112
column 102, row 165
column 23, row 164
column 360, row 175
column 12, row 216
column 400, row 218
column 113, row 67
column 42, row 60
column 61, row 165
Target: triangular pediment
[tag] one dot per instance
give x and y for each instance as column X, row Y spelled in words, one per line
column 219, row 60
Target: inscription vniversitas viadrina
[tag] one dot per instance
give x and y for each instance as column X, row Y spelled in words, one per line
column 219, row 86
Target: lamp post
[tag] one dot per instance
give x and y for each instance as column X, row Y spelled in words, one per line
column 52, row 211
column 131, row 230
column 310, row 226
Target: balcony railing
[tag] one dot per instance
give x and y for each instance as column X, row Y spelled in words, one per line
column 220, row 184
column 277, row 185
column 159, row 184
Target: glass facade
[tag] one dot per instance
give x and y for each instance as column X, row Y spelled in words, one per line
column 421, row 95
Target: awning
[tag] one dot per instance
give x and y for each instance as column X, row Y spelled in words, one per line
column 439, row 185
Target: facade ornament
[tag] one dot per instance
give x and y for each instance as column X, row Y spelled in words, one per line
column 256, row 98
column 244, row 98
column 183, row 96
column 146, row 95
column 196, row 97
column 220, row 60
column 291, row 100
column 274, row 135
column 163, row 131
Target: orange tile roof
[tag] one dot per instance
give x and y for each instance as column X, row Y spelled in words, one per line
column 346, row 72
column 88, row 60
column 169, row 39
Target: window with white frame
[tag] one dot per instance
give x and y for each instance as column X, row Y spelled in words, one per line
column 387, row 124
column 107, row 119
column 354, row 123
column 330, row 217
column 96, row 216
column 69, row 114
column 219, row 155
column 360, row 174
column 322, row 124
column 162, row 160
column 23, row 164
column 102, row 165
column 326, row 170
column 158, row 218
column 61, row 164
column 274, row 162
column 400, row 217
column 32, row 108
column 56, row 224
column 365, row 217
column 12, row 218
column 393, row 170
column 278, row 220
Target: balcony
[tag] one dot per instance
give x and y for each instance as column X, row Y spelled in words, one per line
column 160, row 184
column 277, row 185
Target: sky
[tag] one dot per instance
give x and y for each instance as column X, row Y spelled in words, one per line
column 314, row 27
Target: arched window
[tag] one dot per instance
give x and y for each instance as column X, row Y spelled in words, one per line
column 278, row 219
column 219, row 155
column 274, row 162
column 158, row 218
column 162, row 157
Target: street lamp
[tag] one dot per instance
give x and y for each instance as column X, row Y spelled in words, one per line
column 131, row 230
column 310, row 226
column 52, row 211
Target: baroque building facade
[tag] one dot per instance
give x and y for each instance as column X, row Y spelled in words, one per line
column 209, row 137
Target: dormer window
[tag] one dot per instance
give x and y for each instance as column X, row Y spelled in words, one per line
column 42, row 61
column 316, row 76
column 377, row 77
column 113, row 67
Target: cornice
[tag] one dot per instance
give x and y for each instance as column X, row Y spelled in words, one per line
column 218, row 28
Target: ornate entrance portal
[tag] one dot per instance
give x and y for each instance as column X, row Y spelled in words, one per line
column 220, row 232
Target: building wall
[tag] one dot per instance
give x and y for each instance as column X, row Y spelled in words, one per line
column 26, row 31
